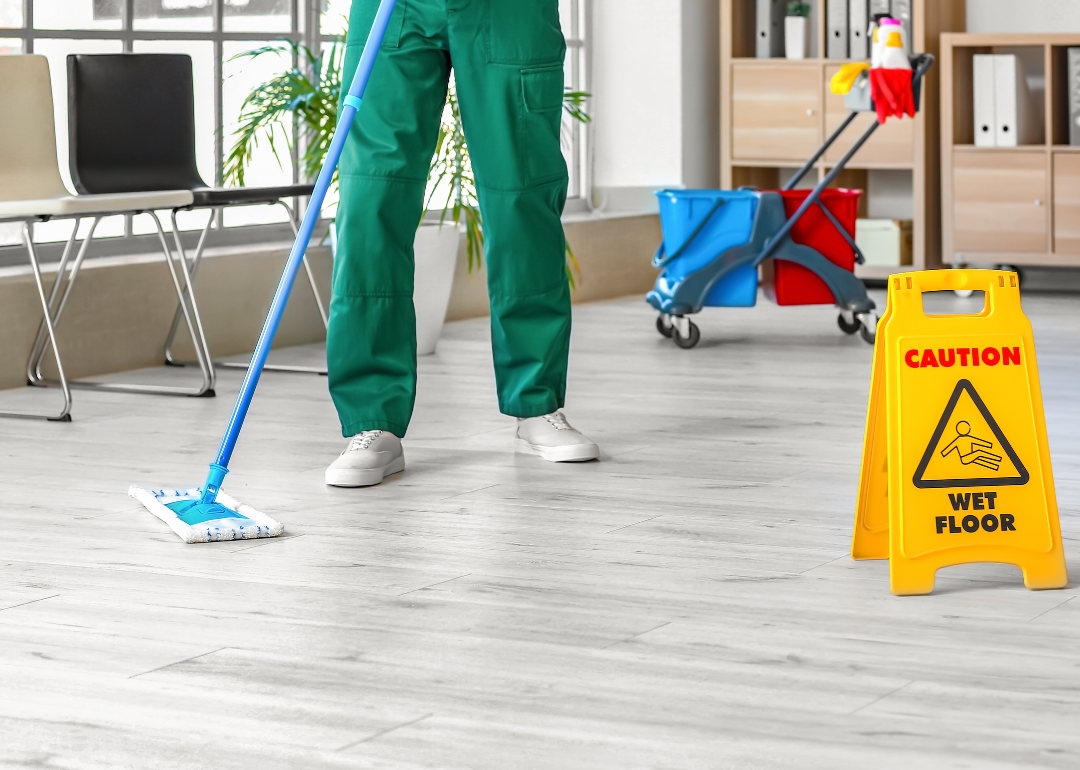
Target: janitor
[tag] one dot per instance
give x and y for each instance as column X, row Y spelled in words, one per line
column 507, row 57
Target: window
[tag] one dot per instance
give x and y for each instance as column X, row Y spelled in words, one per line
column 212, row 32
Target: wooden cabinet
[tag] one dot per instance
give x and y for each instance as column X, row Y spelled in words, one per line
column 1000, row 201
column 775, row 111
column 891, row 145
column 1067, row 203
column 1009, row 205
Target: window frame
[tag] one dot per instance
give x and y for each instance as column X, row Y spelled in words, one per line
column 305, row 28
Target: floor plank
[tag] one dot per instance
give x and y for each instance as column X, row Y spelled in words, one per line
column 686, row 602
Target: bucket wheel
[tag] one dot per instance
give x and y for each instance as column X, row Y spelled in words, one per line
column 684, row 332
column 847, row 322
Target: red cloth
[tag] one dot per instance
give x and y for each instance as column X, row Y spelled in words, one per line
column 891, row 92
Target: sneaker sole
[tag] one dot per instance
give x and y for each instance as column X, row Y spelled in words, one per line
column 368, row 477
column 576, row 453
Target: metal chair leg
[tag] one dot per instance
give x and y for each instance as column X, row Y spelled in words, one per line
column 58, row 301
column 191, row 317
column 189, row 290
column 42, row 332
column 65, row 412
column 318, row 301
column 307, row 268
column 194, row 263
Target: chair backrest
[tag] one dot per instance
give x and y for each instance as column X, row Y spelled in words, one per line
column 28, row 168
column 131, row 122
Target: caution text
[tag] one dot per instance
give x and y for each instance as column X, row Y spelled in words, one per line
column 947, row 357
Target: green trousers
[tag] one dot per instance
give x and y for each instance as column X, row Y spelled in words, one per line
column 507, row 57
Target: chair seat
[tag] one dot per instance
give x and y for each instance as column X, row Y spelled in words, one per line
column 240, row 196
column 88, row 205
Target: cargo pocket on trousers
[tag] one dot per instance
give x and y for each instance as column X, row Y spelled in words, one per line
column 542, row 97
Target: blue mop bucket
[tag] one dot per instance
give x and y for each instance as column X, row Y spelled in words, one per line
column 682, row 211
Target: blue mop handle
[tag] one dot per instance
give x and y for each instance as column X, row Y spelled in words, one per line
column 220, row 467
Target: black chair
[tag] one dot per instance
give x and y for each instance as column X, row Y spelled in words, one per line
column 131, row 128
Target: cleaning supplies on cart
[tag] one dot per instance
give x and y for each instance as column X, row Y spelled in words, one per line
column 890, row 72
column 843, row 80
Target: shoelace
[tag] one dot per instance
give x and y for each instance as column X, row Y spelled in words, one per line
column 557, row 421
column 363, row 440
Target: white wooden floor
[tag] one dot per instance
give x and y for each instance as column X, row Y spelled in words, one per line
column 687, row 602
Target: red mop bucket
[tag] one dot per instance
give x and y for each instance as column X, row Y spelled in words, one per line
column 787, row 283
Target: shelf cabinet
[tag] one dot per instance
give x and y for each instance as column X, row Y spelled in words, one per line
column 1067, row 203
column 1009, row 205
column 775, row 111
column 999, row 202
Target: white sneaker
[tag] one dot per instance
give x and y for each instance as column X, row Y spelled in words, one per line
column 369, row 458
column 552, row 438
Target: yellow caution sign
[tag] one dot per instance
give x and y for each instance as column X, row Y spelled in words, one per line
column 956, row 466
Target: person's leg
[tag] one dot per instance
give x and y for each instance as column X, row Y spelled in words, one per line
column 371, row 341
column 508, row 64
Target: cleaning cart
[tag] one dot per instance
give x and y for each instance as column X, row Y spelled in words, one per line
column 803, row 240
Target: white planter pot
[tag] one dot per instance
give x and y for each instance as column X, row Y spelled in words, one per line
column 796, row 37
column 435, row 250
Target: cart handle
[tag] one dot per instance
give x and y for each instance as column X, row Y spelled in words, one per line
column 660, row 259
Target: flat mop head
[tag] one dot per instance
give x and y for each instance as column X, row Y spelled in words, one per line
column 197, row 522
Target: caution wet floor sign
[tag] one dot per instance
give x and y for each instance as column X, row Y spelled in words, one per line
column 956, row 467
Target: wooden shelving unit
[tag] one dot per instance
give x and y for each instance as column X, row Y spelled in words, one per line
column 1009, row 205
column 775, row 113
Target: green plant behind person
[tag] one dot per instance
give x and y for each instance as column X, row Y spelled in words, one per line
column 312, row 100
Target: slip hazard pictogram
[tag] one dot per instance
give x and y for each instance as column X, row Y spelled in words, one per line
column 968, row 448
column 956, row 464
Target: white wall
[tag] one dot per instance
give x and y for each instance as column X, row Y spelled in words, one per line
column 655, row 105
column 995, row 16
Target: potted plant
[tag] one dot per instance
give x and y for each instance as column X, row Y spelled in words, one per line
column 309, row 94
column 797, row 30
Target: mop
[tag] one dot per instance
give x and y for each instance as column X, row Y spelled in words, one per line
column 208, row 514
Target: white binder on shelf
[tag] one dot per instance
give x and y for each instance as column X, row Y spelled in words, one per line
column 858, row 25
column 982, row 90
column 1016, row 117
column 836, row 27
column 1074, row 96
column 770, row 29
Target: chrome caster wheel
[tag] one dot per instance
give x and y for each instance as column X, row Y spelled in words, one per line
column 663, row 325
column 692, row 336
column 848, row 326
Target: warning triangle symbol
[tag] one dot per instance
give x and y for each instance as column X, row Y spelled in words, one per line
column 968, row 448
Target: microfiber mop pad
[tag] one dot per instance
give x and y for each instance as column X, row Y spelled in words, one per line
column 196, row 522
